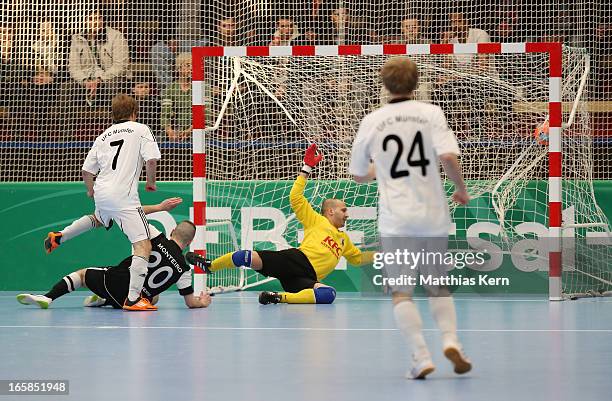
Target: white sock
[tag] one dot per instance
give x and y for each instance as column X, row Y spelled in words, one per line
column 73, row 281
column 138, row 272
column 78, row 227
column 409, row 322
column 443, row 311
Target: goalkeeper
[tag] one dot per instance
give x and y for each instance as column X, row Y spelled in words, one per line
column 300, row 270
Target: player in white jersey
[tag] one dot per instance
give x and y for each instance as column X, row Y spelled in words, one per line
column 111, row 172
column 399, row 145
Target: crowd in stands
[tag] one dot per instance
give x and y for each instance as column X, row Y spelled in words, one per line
column 56, row 71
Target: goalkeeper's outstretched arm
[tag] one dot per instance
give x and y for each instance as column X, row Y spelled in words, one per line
column 300, row 205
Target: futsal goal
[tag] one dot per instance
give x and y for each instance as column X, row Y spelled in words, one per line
column 528, row 168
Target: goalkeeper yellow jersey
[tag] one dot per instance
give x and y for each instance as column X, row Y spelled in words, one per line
column 323, row 243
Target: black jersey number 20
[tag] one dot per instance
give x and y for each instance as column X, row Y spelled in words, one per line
column 413, row 160
column 118, row 143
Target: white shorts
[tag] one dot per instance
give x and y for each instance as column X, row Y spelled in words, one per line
column 132, row 222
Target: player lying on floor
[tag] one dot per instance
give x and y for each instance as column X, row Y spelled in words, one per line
column 110, row 285
column 300, row 270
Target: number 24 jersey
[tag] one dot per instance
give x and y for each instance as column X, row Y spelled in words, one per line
column 404, row 139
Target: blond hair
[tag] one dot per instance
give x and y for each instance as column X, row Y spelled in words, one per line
column 124, row 106
column 183, row 58
column 400, row 75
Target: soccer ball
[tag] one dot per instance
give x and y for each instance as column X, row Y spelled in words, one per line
column 541, row 133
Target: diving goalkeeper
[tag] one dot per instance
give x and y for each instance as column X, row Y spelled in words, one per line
column 300, row 270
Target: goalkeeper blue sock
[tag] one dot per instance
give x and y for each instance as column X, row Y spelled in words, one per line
column 231, row 260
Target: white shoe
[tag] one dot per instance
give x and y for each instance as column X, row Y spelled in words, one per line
column 94, row 301
column 420, row 368
column 455, row 354
column 30, row 299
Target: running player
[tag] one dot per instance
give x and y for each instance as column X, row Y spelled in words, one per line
column 399, row 145
column 110, row 285
column 300, row 270
column 111, row 171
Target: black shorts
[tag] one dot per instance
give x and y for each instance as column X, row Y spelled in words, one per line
column 110, row 283
column 291, row 267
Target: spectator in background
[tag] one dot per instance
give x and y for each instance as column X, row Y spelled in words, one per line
column 148, row 105
column 347, row 30
column 315, row 24
column 507, row 29
column 410, row 29
column 168, row 45
column 461, row 32
column 220, row 68
column 226, row 34
column 11, row 77
column 163, row 56
column 511, row 68
column 46, row 48
column 10, row 70
column 99, row 60
column 285, row 33
column 176, row 102
column 461, row 95
column 40, row 113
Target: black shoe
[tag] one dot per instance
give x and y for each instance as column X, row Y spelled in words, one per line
column 197, row 260
column 269, row 297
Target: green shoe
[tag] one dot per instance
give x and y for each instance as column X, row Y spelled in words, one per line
column 30, row 299
column 94, row 301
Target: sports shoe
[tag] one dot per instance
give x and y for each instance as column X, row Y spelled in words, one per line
column 198, row 260
column 269, row 297
column 52, row 241
column 94, row 301
column 140, row 305
column 30, row 299
column 420, row 368
column 456, row 356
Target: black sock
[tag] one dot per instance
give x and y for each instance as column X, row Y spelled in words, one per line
column 67, row 284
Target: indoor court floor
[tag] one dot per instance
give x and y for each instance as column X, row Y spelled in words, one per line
column 522, row 348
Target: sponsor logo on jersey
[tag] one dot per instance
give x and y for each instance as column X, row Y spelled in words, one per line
column 116, row 131
column 332, row 245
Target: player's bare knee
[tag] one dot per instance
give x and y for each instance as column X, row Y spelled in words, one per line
column 399, row 297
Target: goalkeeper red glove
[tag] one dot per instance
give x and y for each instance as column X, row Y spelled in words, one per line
column 311, row 158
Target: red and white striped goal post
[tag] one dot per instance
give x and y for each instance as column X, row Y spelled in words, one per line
column 554, row 50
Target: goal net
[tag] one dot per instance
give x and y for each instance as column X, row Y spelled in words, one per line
column 51, row 108
column 270, row 108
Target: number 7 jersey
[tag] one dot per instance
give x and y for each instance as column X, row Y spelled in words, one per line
column 403, row 139
column 117, row 157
